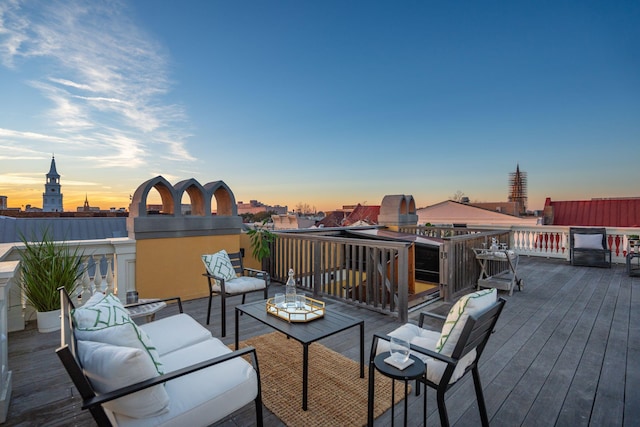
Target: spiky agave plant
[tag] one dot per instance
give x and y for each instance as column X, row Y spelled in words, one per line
column 47, row 266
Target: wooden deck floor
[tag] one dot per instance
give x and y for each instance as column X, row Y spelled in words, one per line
column 566, row 352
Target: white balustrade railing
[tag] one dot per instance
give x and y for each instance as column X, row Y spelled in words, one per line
column 109, row 268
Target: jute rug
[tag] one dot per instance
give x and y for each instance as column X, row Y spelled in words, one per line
column 337, row 394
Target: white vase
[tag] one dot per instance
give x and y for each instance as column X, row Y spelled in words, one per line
column 48, row 321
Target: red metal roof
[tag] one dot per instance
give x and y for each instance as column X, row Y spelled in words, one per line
column 623, row 212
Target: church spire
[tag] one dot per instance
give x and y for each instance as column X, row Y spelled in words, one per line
column 52, row 170
column 52, row 196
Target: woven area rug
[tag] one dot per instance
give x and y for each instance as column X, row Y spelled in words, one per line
column 337, row 394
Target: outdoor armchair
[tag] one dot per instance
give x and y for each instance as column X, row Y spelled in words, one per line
column 453, row 352
column 228, row 277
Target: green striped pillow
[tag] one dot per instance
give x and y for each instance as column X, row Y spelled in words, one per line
column 104, row 319
column 467, row 305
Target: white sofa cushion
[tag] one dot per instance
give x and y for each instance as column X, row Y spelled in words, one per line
column 111, row 367
column 204, row 396
column 241, row 284
column 466, row 306
column 175, row 332
column 587, row 241
column 427, row 339
column 104, row 319
column 219, row 265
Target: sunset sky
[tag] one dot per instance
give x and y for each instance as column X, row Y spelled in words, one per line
column 324, row 103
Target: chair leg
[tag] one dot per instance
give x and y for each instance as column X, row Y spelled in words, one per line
column 480, row 397
column 209, row 309
column 442, row 409
column 223, row 310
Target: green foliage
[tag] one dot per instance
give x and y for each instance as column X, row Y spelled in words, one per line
column 261, row 239
column 45, row 267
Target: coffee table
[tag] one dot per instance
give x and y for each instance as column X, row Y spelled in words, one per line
column 305, row 333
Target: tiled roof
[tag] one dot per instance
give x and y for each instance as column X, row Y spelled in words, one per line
column 62, row 229
column 368, row 214
column 624, row 212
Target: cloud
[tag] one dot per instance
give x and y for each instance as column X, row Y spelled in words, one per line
column 105, row 80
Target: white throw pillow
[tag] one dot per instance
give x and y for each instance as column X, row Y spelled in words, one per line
column 107, row 321
column 587, row 241
column 111, row 367
column 219, row 265
column 466, row 306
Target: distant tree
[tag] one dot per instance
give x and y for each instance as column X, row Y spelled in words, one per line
column 262, row 216
column 457, row 197
column 305, row 209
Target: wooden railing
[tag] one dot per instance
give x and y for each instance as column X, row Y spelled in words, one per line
column 369, row 273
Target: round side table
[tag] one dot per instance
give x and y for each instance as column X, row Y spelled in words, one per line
column 417, row 370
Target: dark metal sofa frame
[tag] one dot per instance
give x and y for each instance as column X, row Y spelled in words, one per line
column 586, row 256
column 93, row 402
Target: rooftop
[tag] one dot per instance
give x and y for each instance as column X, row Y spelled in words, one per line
column 564, row 352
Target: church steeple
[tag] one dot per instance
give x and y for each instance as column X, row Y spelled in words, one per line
column 53, row 173
column 52, row 197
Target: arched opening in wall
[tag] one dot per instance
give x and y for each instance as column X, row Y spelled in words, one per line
column 186, row 207
column 214, row 206
column 193, row 202
column 412, row 205
column 159, row 201
column 223, row 202
column 403, row 206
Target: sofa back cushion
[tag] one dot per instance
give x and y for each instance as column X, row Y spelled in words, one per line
column 104, row 319
column 466, row 306
column 109, row 367
column 587, row 241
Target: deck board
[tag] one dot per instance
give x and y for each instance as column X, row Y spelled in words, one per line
column 565, row 352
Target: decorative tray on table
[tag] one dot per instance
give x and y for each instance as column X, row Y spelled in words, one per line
column 311, row 309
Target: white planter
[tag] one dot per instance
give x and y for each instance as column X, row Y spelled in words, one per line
column 48, row 321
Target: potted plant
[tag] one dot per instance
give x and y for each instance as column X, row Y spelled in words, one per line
column 45, row 267
column 261, row 239
column 634, row 242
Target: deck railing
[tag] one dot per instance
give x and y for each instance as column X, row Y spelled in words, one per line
column 369, row 273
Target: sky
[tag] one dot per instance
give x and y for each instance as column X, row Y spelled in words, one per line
column 324, row 103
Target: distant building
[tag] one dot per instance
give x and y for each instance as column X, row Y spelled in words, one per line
column 52, row 196
column 518, row 190
column 517, row 199
column 254, row 207
column 455, row 213
column 614, row 212
column 3, row 203
column 353, row 215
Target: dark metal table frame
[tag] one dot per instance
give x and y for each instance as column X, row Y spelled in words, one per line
column 305, row 333
column 416, row 371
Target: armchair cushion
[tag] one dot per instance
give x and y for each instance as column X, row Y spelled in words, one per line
column 427, row 339
column 219, row 265
column 587, row 241
column 241, row 285
column 467, row 305
column 104, row 319
column 111, row 367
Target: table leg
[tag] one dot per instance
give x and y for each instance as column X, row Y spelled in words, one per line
column 305, row 375
column 362, row 349
column 393, row 400
column 406, row 390
column 371, row 396
column 237, row 329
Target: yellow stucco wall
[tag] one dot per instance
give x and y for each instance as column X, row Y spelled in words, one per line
column 172, row 266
